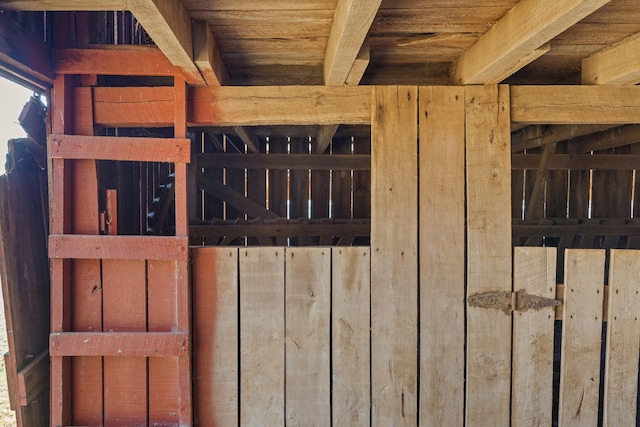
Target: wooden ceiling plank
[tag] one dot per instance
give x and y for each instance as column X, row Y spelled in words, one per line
column 529, row 25
column 169, row 25
column 207, row 56
column 618, row 64
column 351, row 23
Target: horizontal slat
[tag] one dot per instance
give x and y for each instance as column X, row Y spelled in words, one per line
column 228, row 105
column 76, row 246
column 282, row 230
column 578, row 161
column 129, row 61
column 286, row 161
column 575, row 104
column 147, row 344
column 173, row 150
column 33, row 378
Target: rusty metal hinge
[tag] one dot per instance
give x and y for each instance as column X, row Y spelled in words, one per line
column 508, row 301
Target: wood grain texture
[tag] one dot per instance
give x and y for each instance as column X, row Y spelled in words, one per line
column 120, row 148
column 614, row 65
column 215, row 340
column 581, row 337
column 121, row 344
column 575, row 104
column 394, row 257
column 262, row 332
column 350, row 312
column 532, row 377
column 117, row 247
column 488, row 253
column 125, row 310
column 623, row 339
column 442, row 255
column 308, row 316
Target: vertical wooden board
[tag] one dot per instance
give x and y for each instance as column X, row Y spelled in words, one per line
column 579, row 194
column 623, row 339
column 557, row 189
column 534, row 272
column 517, row 196
column 257, row 184
column 612, row 190
column 212, row 207
column 299, row 183
column 215, row 336
column 235, row 177
column 350, row 337
column 442, row 240
column 394, row 257
column 530, row 180
column 341, row 184
column 262, row 336
column 125, row 310
column 581, row 337
column 308, row 316
column 278, row 183
column 488, row 253
column 162, row 316
column 319, row 192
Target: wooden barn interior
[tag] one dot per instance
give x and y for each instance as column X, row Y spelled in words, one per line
column 323, row 212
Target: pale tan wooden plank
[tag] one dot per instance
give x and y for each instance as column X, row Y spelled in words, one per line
column 215, row 341
column 351, row 24
column 618, row 64
column 527, row 26
column 575, row 104
column 442, row 243
column 623, row 339
column 488, row 253
column 350, row 311
column 532, row 378
column 207, row 55
column 394, row 235
column 308, row 313
column 262, row 336
column 581, row 337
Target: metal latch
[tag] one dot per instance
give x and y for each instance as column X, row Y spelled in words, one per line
column 508, row 301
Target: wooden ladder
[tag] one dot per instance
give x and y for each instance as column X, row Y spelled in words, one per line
column 120, row 305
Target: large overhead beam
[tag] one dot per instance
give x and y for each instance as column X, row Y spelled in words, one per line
column 512, row 41
column 616, row 65
column 207, row 56
column 351, row 24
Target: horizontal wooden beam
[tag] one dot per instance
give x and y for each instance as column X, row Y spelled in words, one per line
column 277, row 105
column 141, row 344
column 226, row 105
column 578, row 161
column 286, row 161
column 76, row 246
column 512, row 42
column 357, row 228
column 23, row 56
column 33, row 378
column 122, row 60
column 171, row 150
column 575, row 104
column 616, row 65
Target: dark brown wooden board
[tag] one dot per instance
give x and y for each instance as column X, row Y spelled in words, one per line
column 278, row 185
column 341, row 183
column 611, row 194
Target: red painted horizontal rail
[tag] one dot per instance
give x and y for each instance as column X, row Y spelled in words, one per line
column 76, row 246
column 145, row 344
column 172, row 150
